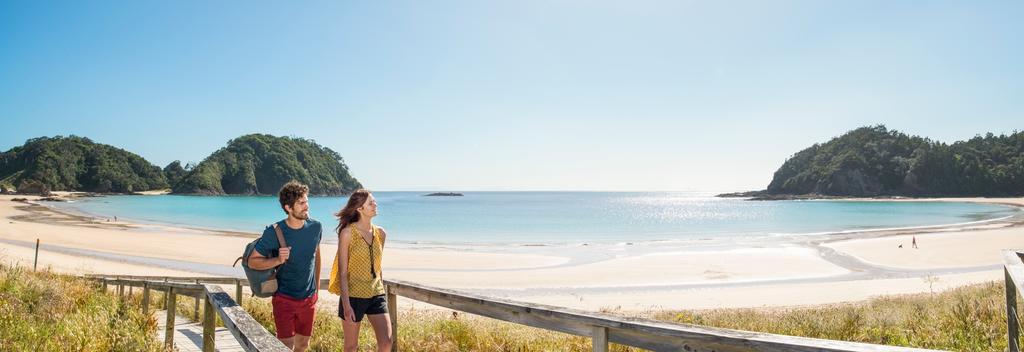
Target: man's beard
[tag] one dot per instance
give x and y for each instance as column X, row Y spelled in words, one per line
column 301, row 216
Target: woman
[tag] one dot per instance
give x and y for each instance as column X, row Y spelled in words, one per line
column 360, row 247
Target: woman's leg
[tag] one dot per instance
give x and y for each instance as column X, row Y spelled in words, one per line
column 382, row 329
column 351, row 329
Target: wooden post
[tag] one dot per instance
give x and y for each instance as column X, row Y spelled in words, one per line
column 238, row 291
column 393, row 312
column 171, row 311
column 145, row 298
column 104, row 285
column 209, row 325
column 1012, row 324
column 36, row 262
column 120, row 289
column 131, row 290
column 600, row 339
column 196, row 312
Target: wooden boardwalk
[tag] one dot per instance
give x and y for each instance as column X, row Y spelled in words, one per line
column 188, row 336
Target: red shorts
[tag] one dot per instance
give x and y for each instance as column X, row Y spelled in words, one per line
column 293, row 316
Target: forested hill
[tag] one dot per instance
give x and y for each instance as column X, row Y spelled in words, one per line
column 261, row 164
column 875, row 161
column 76, row 164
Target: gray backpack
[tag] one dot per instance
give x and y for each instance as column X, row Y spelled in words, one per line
column 263, row 283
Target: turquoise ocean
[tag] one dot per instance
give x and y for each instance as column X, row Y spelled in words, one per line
column 529, row 218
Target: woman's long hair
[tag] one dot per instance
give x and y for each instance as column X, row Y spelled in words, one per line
column 349, row 214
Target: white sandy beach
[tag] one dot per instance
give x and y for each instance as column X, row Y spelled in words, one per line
column 786, row 276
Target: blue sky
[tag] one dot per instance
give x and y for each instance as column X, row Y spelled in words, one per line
column 517, row 95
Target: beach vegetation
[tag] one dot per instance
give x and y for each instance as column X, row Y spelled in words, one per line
column 76, row 163
column 876, row 161
column 968, row 318
column 174, row 172
column 261, row 164
column 44, row 311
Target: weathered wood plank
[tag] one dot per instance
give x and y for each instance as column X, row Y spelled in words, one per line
column 209, row 326
column 643, row 333
column 238, row 291
column 393, row 313
column 171, row 312
column 204, row 279
column 1013, row 257
column 249, row 333
column 599, row 339
column 145, row 299
column 603, row 328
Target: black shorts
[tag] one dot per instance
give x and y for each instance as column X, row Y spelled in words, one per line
column 363, row 306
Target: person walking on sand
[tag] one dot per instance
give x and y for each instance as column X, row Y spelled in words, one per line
column 298, row 279
column 913, row 241
column 360, row 248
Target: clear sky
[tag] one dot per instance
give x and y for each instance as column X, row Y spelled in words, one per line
column 516, row 95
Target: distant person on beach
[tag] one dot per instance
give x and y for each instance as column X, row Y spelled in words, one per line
column 913, row 241
column 360, row 248
column 298, row 278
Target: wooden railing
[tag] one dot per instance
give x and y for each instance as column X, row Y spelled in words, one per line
column 246, row 330
column 1013, row 270
column 601, row 328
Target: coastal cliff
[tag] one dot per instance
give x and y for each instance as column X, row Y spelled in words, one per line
column 875, row 161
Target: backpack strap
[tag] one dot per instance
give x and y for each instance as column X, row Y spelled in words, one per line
column 280, row 236
column 283, row 243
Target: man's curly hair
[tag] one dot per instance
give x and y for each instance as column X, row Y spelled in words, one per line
column 290, row 193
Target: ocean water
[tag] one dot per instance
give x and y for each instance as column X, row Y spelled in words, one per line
column 555, row 217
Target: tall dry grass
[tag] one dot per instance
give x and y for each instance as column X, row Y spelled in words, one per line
column 43, row 311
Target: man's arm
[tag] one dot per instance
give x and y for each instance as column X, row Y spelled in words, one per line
column 259, row 262
column 317, row 267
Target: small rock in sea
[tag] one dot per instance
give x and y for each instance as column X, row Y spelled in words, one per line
column 444, row 194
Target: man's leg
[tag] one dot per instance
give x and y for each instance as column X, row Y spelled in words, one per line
column 288, row 342
column 301, row 343
column 304, row 324
column 284, row 320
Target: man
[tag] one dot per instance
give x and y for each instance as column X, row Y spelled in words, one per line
column 298, row 278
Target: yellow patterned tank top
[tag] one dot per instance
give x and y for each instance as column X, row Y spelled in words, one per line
column 364, row 264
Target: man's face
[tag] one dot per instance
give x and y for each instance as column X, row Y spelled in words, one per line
column 300, row 210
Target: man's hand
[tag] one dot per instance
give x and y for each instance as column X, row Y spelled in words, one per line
column 283, row 254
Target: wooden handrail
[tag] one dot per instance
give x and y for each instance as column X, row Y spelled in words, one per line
column 249, row 333
column 642, row 333
column 600, row 327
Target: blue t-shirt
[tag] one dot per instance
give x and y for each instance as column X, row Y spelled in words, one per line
column 295, row 278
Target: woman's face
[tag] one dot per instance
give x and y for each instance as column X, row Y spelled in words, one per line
column 369, row 207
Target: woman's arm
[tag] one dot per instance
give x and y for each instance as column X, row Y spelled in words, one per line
column 343, row 239
column 383, row 238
